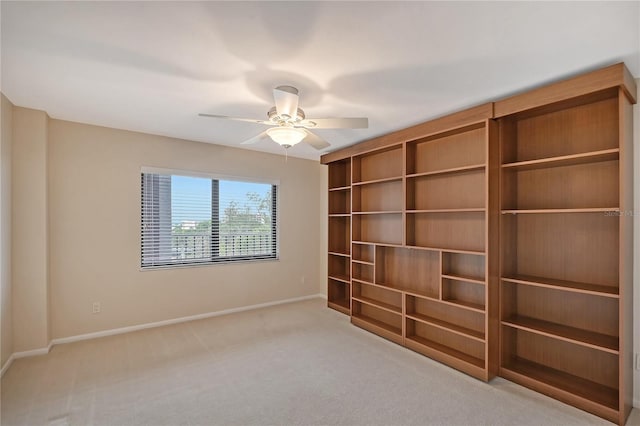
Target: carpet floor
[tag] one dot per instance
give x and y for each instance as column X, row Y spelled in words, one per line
column 293, row 364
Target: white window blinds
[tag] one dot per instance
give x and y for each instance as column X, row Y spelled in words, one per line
column 193, row 220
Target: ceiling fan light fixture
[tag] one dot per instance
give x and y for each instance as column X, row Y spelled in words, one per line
column 286, row 136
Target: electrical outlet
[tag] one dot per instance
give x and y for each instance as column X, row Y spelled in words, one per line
column 96, row 307
column 302, row 280
column 637, row 361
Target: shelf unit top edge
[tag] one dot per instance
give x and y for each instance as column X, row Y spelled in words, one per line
column 583, row 84
column 613, row 76
column 449, row 122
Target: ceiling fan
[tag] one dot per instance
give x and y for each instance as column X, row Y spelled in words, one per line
column 290, row 125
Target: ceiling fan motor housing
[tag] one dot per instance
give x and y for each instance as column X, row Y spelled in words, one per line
column 275, row 118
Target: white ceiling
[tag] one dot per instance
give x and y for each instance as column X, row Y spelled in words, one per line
column 153, row 66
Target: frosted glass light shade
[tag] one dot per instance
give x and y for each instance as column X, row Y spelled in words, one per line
column 286, row 136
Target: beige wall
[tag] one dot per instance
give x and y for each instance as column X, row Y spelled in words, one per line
column 30, row 284
column 94, row 219
column 6, row 327
column 636, row 248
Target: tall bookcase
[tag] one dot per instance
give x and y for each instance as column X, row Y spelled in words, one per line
column 339, row 261
column 566, row 265
column 498, row 240
column 420, row 236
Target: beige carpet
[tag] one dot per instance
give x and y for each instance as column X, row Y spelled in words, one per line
column 295, row 364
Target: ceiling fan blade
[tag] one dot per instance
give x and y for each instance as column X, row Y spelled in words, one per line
column 315, row 141
column 335, row 123
column 250, row 120
column 286, row 98
column 256, row 139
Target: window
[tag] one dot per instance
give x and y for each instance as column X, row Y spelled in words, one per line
column 194, row 220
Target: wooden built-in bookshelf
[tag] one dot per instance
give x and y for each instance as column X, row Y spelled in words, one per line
column 419, row 242
column 497, row 240
column 339, row 243
column 565, row 255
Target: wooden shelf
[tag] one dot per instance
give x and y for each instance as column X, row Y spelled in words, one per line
column 341, row 188
column 542, row 211
column 363, row 253
column 341, row 306
column 447, row 350
column 381, row 228
column 442, row 249
column 464, row 278
column 540, row 376
column 378, row 304
column 479, row 209
column 340, row 215
column 465, row 305
column 338, row 294
column 408, row 291
column 374, row 181
column 379, row 328
column 379, row 324
column 358, row 280
column 362, row 262
column 378, row 212
column 464, row 230
column 379, row 244
column 343, row 278
column 335, row 253
column 569, row 334
column 447, row 171
column 397, row 290
column 594, row 289
column 466, row 332
column 565, row 160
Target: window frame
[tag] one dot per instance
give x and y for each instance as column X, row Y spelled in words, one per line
column 275, row 219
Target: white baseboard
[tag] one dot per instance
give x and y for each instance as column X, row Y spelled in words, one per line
column 129, row 329
column 24, row 354
column 6, row 365
column 44, row 351
column 33, row 352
